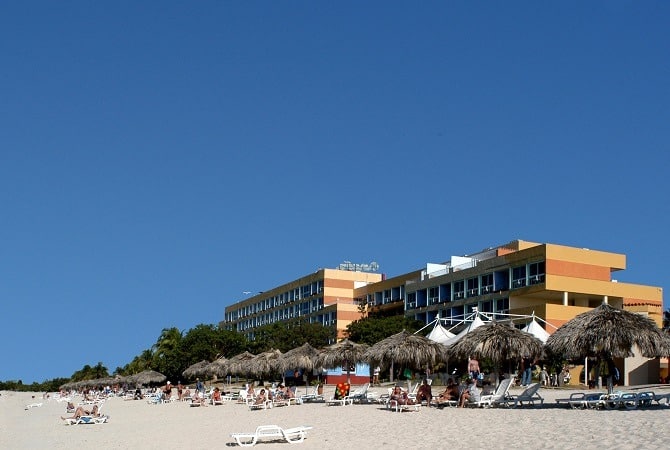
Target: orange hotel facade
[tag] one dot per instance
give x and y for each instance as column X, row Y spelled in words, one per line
column 553, row 282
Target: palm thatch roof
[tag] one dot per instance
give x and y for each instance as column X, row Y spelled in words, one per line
column 303, row 357
column 497, row 342
column 198, row 369
column 343, row 353
column 146, row 377
column 606, row 331
column 265, row 363
column 238, row 364
column 407, row 349
column 218, row 367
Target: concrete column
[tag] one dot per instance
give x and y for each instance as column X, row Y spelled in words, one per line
column 565, row 298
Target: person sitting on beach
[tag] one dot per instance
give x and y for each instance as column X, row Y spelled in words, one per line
column 470, row 394
column 261, row 398
column 400, row 397
column 286, row 392
column 424, row 393
column 450, row 393
column 80, row 411
column 216, row 396
column 198, row 397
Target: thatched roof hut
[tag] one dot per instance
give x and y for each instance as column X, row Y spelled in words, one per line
column 198, row 369
column 497, row 342
column 606, row 331
column 303, row 357
column 407, row 349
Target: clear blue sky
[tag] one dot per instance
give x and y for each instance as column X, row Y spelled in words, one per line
column 159, row 158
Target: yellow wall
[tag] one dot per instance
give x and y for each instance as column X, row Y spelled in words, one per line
column 616, row 261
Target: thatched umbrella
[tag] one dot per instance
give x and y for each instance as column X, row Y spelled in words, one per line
column 303, row 357
column 238, row 364
column 606, row 332
column 407, row 349
column 344, row 353
column 218, row 367
column 497, row 342
column 146, row 377
column 264, row 363
column 196, row 370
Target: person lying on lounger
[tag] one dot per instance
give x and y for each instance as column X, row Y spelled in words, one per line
column 80, row 411
column 261, row 398
column 450, row 393
column 400, row 397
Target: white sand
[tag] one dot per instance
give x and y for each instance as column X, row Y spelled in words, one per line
column 136, row 424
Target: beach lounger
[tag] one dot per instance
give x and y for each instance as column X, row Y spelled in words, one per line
column 658, row 398
column 271, row 433
column 314, row 396
column 397, row 407
column 582, row 400
column 628, row 400
column 263, row 405
column 339, row 401
column 529, row 396
column 33, row 405
column 360, row 394
column 499, row 397
column 87, row 420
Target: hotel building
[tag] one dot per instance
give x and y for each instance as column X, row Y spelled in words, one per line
column 553, row 282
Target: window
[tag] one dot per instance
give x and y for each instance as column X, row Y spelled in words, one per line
column 536, row 273
column 433, row 295
column 411, row 300
column 487, row 283
column 459, row 289
column 473, row 287
column 518, row 277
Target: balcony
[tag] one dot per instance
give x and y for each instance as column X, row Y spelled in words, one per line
column 518, row 283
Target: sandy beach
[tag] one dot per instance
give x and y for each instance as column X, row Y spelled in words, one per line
column 137, row 424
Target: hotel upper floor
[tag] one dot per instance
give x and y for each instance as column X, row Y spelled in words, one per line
column 555, row 282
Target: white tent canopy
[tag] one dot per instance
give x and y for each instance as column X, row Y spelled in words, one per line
column 536, row 330
column 476, row 323
column 440, row 334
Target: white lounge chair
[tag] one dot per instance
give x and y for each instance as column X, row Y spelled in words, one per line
column 359, row 394
column 83, row 420
column 658, row 398
column 339, row 401
column 271, row 433
column 529, row 396
column 582, row 400
column 314, row 396
column 499, row 397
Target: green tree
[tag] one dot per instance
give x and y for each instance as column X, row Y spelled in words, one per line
column 371, row 330
column 208, row 342
column 90, row 373
column 285, row 336
column 167, row 357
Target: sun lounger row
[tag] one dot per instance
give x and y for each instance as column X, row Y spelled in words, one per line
column 616, row 400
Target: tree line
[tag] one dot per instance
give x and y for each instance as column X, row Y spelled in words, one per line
column 174, row 350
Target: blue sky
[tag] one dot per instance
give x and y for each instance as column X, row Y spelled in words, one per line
column 160, row 158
